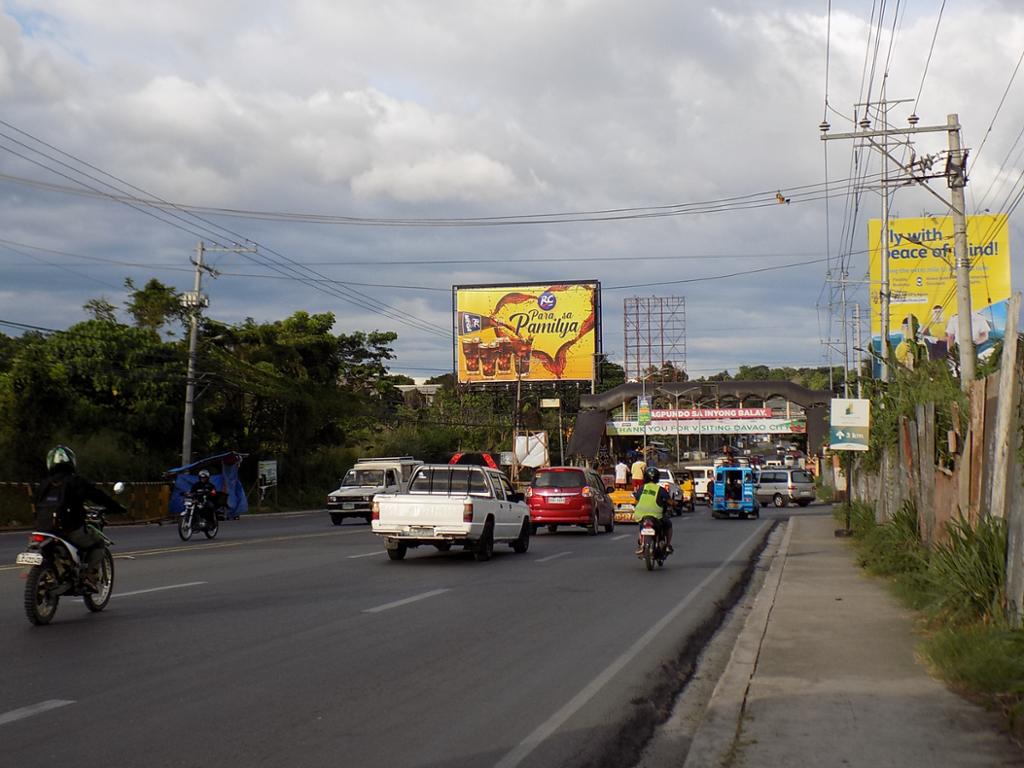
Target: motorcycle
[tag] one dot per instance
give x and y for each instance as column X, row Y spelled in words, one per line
column 56, row 570
column 652, row 544
column 192, row 519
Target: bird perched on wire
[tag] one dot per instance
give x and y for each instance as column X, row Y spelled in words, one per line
column 781, row 198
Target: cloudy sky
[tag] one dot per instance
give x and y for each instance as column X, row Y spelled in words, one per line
column 349, row 112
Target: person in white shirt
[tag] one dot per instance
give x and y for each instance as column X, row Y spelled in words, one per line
column 980, row 329
column 621, row 473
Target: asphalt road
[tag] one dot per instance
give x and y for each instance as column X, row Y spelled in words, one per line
column 291, row 642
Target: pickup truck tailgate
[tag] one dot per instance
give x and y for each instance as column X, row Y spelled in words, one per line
column 420, row 510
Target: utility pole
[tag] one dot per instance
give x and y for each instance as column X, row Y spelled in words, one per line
column 918, row 171
column 858, row 347
column 194, row 302
column 956, row 176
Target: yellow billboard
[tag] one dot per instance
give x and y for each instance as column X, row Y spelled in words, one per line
column 539, row 332
column 922, row 283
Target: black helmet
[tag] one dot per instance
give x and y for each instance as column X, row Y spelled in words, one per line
column 60, row 459
column 204, row 474
column 651, row 474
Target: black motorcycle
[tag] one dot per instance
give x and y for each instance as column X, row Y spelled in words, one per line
column 652, row 545
column 56, row 570
column 192, row 518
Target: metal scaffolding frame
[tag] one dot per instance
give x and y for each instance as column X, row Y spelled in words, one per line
column 654, row 332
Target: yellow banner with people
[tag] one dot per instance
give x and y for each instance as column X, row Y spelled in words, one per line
column 543, row 332
column 923, row 320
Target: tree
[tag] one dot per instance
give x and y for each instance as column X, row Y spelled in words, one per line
column 101, row 309
column 154, row 305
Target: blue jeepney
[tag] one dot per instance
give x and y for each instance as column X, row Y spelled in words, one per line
column 734, row 493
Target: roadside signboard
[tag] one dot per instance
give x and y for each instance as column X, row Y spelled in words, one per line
column 850, row 424
column 267, row 473
column 643, row 411
column 923, row 319
column 528, row 332
column 550, row 402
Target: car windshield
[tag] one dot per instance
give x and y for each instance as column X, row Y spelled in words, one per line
column 559, row 480
column 363, row 478
column 664, row 476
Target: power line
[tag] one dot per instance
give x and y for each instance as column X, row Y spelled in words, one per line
column 928, row 61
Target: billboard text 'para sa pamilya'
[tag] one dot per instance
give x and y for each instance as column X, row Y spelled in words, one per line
column 532, row 332
column 923, row 320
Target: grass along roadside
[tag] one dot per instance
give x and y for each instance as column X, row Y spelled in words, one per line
column 959, row 590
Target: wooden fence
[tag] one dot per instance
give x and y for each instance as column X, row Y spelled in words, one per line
column 987, row 476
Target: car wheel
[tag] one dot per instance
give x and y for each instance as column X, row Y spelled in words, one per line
column 337, row 519
column 520, row 545
column 593, row 526
column 534, row 528
column 485, row 547
column 609, row 527
column 779, row 500
column 398, row 552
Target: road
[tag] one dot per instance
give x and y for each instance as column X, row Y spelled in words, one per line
column 291, row 642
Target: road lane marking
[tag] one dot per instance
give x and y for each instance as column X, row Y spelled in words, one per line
column 552, row 557
column 158, row 589
column 34, row 709
column 577, row 702
column 620, row 538
column 368, row 554
column 206, row 546
column 406, row 601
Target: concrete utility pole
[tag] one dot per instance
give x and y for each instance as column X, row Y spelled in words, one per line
column 194, row 302
column 956, row 176
column 858, row 347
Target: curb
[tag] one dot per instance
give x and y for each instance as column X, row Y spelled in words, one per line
column 716, row 735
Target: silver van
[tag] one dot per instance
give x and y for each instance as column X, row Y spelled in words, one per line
column 782, row 485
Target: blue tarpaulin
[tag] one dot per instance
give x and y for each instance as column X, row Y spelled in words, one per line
column 223, row 468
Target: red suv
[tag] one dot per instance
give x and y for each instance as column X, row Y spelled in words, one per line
column 569, row 496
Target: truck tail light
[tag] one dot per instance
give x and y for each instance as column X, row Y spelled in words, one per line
column 529, row 492
column 587, row 493
column 37, row 538
column 376, row 511
column 467, row 512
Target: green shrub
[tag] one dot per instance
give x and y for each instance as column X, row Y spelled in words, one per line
column 893, row 548
column 969, row 571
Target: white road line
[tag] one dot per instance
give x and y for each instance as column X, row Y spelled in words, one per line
column 158, row 589
column 35, row 709
column 368, row 554
column 406, row 601
column 552, row 557
column 577, row 702
column 620, row 538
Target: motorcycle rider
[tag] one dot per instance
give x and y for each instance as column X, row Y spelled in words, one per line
column 209, row 500
column 651, row 501
column 60, row 509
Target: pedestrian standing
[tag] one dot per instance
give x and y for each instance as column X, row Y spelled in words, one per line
column 637, row 472
column 621, row 474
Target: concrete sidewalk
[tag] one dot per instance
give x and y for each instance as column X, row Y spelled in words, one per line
column 824, row 674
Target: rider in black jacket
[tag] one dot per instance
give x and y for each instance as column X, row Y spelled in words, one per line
column 209, row 498
column 60, row 508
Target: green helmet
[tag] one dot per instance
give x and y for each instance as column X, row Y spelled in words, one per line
column 60, row 458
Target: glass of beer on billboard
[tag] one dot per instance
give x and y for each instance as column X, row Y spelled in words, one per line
column 471, row 354
column 488, row 358
column 504, row 355
column 523, row 349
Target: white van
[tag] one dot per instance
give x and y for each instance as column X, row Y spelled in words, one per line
column 702, row 475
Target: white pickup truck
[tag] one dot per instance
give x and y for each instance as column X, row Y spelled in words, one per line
column 446, row 504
